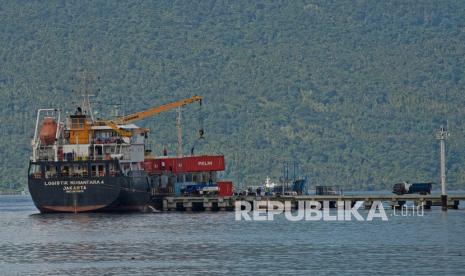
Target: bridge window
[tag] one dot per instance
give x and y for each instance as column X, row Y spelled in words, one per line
column 74, row 170
column 112, row 169
column 34, row 171
column 98, row 170
column 50, row 171
column 77, row 123
column 65, row 170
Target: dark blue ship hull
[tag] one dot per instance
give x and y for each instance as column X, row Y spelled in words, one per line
column 89, row 194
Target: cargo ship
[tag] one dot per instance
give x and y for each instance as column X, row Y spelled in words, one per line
column 83, row 164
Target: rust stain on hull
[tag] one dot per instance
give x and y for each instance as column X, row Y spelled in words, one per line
column 71, row 209
column 92, row 208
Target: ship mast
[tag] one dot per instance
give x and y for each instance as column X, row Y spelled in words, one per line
column 86, row 105
column 179, row 128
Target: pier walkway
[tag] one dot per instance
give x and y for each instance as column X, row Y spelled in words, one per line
column 211, row 203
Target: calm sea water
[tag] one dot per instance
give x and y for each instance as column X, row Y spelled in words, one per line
column 214, row 243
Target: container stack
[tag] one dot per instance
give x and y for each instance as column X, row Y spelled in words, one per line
column 188, row 176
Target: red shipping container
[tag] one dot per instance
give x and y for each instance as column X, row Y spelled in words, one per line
column 201, row 163
column 167, row 164
column 148, row 165
column 225, row 188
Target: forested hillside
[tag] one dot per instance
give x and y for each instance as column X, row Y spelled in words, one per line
column 352, row 90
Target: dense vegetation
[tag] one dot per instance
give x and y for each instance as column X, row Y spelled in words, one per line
column 354, row 91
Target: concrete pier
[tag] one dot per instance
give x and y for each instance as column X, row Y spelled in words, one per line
column 199, row 203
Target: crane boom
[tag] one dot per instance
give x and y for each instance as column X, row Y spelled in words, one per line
column 156, row 110
column 147, row 113
column 117, row 129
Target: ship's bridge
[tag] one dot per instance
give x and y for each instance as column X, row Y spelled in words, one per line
column 104, row 134
column 80, row 139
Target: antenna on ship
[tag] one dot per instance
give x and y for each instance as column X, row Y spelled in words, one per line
column 86, row 107
column 87, row 104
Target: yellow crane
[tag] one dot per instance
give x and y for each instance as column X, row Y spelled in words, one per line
column 121, row 132
column 147, row 113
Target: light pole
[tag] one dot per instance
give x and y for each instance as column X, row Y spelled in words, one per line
column 442, row 135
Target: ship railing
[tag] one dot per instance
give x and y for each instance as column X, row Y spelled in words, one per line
column 107, row 140
column 75, row 158
column 105, row 157
column 73, row 174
